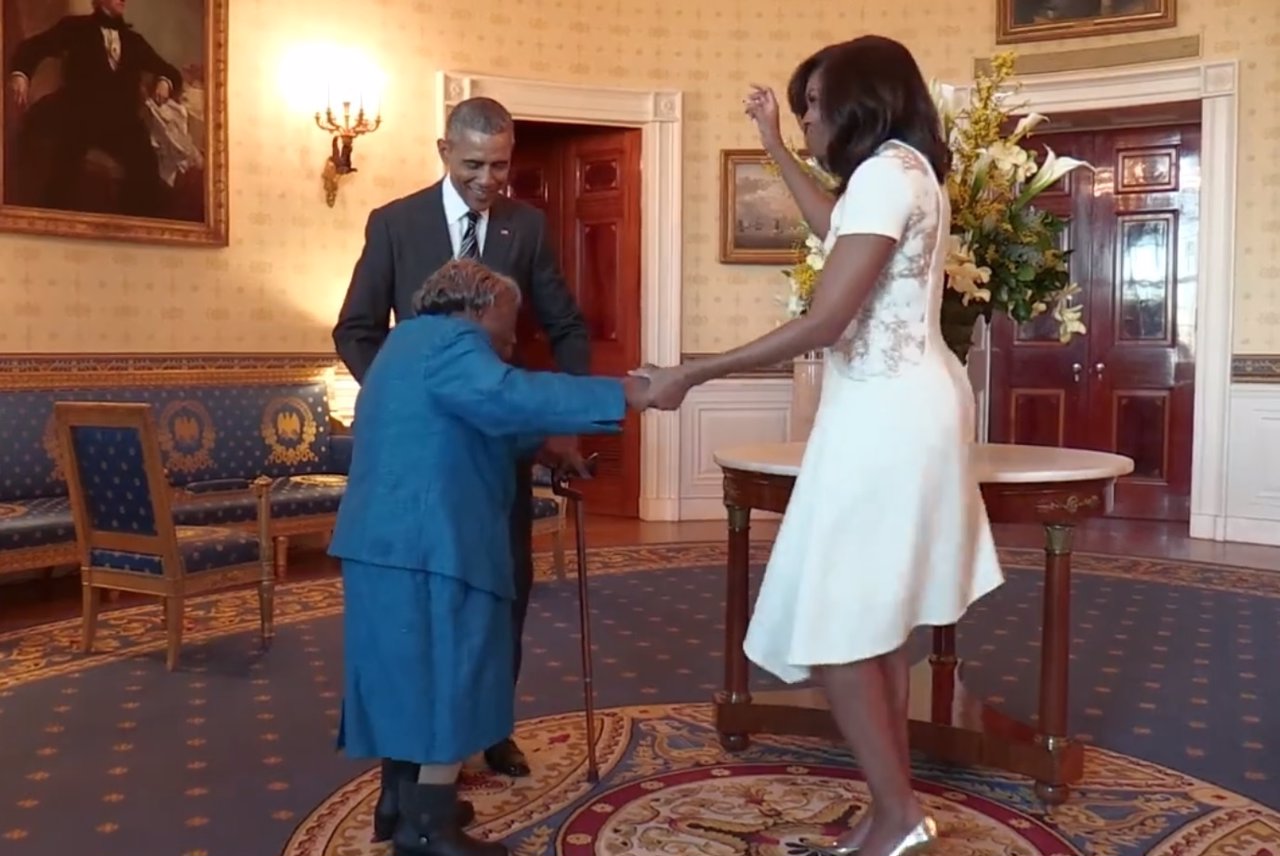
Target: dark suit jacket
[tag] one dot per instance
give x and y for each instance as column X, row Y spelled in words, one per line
column 407, row 240
column 88, row 81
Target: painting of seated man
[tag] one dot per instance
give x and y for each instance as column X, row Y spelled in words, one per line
column 114, row 118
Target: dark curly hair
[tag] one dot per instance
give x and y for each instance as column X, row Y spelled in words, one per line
column 871, row 91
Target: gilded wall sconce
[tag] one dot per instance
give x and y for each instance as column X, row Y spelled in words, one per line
column 344, row 130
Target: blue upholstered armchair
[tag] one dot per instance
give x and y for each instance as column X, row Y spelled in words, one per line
column 125, row 531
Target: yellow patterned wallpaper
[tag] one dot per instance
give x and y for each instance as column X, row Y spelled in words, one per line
column 278, row 286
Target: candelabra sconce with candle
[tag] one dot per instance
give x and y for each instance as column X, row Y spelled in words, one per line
column 344, row 131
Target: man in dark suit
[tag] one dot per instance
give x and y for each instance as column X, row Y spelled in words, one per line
column 105, row 64
column 466, row 214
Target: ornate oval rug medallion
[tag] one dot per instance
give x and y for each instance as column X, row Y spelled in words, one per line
column 668, row 787
column 778, row 810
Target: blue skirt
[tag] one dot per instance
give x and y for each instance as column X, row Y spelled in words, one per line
column 428, row 673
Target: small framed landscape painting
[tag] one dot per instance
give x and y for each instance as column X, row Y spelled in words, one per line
column 1041, row 20
column 759, row 222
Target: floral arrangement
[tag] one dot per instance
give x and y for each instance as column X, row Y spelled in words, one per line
column 1005, row 255
column 803, row 276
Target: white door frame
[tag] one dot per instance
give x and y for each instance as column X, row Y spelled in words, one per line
column 659, row 116
column 1214, row 85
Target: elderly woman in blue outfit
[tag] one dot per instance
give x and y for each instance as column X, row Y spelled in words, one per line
column 421, row 532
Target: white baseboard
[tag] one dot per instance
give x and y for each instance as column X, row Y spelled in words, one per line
column 1253, row 466
column 720, row 415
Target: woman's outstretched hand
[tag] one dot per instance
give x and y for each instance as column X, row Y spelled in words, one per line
column 667, row 386
column 762, row 106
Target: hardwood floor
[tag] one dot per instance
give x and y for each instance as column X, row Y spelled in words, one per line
column 25, row 602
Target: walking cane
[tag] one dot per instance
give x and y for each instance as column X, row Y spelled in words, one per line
column 560, row 487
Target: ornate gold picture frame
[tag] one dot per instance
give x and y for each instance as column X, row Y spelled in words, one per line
column 1041, row 20
column 114, row 126
column 759, row 222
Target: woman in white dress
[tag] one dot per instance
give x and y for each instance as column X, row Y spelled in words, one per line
column 886, row 530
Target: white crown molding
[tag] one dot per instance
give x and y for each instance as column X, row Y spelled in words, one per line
column 1215, row 86
column 659, row 116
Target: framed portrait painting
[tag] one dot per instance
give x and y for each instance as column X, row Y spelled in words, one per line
column 1041, row 20
column 759, row 222
column 114, row 119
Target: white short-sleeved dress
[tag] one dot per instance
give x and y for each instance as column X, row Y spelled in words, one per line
column 886, row 529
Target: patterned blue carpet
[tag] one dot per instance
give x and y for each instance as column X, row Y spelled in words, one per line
column 1172, row 681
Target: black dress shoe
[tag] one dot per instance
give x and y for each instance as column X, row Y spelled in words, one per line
column 430, row 825
column 386, row 814
column 506, row 758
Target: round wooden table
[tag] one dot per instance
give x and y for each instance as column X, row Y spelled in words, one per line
column 1056, row 488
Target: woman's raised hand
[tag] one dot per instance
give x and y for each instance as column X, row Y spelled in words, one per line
column 762, row 106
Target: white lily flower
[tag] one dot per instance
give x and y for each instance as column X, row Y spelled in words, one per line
column 1027, row 124
column 1012, row 160
column 1069, row 317
column 1050, row 171
column 964, row 274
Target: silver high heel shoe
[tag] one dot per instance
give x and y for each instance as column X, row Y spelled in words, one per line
column 921, row 837
column 918, row 840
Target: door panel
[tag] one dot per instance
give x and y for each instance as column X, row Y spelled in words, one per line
column 1142, row 345
column 587, row 180
column 1128, row 385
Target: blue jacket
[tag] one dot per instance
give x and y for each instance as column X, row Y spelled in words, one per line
column 439, row 424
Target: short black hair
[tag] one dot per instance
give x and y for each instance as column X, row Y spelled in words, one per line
column 478, row 115
column 872, row 91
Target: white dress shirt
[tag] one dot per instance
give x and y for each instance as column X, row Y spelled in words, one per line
column 455, row 214
column 111, row 40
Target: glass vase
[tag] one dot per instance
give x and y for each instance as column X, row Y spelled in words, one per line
column 806, row 389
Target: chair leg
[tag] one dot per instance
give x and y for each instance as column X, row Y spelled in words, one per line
column 281, row 549
column 271, row 567
column 90, row 598
column 173, row 625
column 266, row 610
column 557, row 548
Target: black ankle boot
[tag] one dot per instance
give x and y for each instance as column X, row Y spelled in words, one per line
column 430, row 824
column 387, row 812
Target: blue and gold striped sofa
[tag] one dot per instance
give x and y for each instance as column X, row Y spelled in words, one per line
column 223, row 421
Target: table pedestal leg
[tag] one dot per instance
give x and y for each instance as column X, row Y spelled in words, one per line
column 944, row 646
column 1055, row 650
column 737, row 607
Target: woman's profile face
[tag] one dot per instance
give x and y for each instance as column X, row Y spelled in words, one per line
column 816, row 132
column 499, row 321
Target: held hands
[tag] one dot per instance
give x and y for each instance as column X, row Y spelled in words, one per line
column 762, row 106
column 666, row 387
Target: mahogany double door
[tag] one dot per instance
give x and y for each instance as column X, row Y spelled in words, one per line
column 1127, row 386
column 587, row 180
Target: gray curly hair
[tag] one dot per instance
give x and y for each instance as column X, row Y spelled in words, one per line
column 462, row 286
